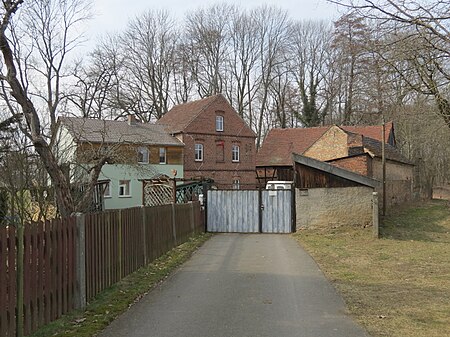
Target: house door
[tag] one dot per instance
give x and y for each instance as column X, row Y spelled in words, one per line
column 249, row 211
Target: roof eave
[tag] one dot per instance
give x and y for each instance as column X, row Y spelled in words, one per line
column 334, row 170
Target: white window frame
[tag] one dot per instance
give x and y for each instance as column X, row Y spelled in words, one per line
column 145, row 154
column 126, row 185
column 198, row 152
column 219, row 123
column 107, row 191
column 163, row 150
column 236, row 184
column 235, row 153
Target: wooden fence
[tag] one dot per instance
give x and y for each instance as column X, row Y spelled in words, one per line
column 61, row 274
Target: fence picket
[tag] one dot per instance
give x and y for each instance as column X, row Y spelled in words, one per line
column 114, row 248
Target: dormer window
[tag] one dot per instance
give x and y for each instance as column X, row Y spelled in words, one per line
column 219, row 123
column 142, row 153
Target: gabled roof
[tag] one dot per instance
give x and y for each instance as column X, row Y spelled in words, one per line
column 180, row 116
column 108, row 131
column 375, row 149
column 334, row 170
column 279, row 145
column 372, row 131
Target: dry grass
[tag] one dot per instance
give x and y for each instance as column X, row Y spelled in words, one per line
column 398, row 285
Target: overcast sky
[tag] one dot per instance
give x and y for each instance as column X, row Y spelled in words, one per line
column 113, row 15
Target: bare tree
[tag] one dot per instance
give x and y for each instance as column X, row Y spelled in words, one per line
column 207, row 34
column 310, row 69
column 273, row 27
column 242, row 63
column 49, row 26
column 149, row 46
column 98, row 93
column 426, row 27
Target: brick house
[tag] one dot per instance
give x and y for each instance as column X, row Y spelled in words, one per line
column 218, row 143
column 350, row 148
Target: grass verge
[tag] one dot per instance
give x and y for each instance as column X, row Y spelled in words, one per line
column 398, row 285
column 106, row 306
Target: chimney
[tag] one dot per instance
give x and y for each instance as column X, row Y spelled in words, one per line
column 355, row 144
column 132, row 120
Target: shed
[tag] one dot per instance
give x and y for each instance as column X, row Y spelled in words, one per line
column 327, row 195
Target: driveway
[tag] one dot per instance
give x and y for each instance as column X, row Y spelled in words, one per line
column 241, row 285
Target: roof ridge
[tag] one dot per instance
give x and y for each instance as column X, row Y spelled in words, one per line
column 213, row 99
column 317, row 139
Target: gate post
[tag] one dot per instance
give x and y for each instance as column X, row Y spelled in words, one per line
column 205, row 205
column 293, row 209
column 260, row 210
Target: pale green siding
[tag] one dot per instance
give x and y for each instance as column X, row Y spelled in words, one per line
column 133, row 173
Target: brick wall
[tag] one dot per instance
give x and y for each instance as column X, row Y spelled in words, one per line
column 217, row 146
column 358, row 164
column 333, row 144
column 334, row 206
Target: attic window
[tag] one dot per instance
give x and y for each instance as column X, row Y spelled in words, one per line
column 162, row 155
column 219, row 123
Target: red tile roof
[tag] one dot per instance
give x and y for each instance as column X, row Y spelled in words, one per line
column 372, row 131
column 180, row 116
column 279, row 145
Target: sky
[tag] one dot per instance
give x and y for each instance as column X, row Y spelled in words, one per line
column 112, row 15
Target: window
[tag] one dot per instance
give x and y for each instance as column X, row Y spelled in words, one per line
column 124, row 188
column 236, row 184
column 107, row 190
column 162, row 155
column 220, row 156
column 219, row 123
column 235, row 153
column 198, row 152
column 142, row 155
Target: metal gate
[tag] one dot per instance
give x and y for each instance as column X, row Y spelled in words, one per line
column 250, row 211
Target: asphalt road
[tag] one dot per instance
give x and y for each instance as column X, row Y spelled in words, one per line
column 241, row 285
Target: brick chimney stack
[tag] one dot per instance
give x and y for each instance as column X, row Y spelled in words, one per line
column 132, row 120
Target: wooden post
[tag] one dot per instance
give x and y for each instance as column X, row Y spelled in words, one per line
column 119, row 244
column 192, row 217
column 174, row 193
column 144, row 233
column 375, row 217
column 174, row 225
column 80, row 262
column 20, row 251
column 383, row 160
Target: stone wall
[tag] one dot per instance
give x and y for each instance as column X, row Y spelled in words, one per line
column 441, row 192
column 333, row 206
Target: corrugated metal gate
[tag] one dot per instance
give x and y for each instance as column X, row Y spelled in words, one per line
column 250, row 211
